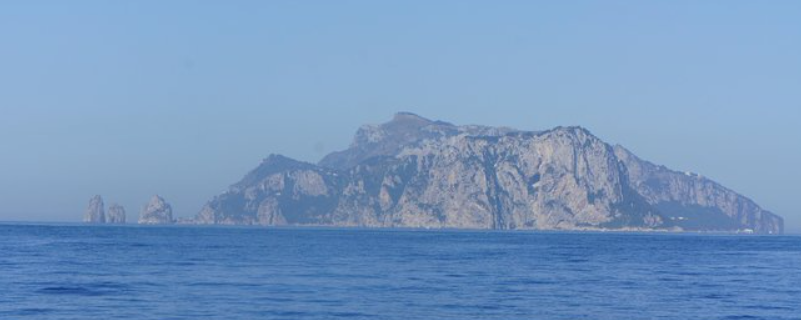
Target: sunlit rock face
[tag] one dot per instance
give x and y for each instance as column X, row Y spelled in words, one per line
column 115, row 214
column 95, row 211
column 414, row 172
column 157, row 211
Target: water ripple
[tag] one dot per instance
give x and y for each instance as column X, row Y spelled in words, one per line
column 250, row 273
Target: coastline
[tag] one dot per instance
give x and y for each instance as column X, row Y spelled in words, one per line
column 623, row 231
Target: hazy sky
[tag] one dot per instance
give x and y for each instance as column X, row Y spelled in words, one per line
column 181, row 98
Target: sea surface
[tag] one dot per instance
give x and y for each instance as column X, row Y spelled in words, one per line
column 131, row 272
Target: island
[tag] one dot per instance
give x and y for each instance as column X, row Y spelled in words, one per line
column 412, row 172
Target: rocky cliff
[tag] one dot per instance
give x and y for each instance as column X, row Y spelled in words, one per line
column 414, row 172
column 116, row 214
column 693, row 202
column 157, row 211
column 95, row 212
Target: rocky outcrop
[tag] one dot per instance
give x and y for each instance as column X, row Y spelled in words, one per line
column 95, row 212
column 414, row 172
column 157, row 211
column 116, row 214
column 278, row 188
column 692, row 201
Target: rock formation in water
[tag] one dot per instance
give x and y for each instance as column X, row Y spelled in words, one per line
column 157, row 211
column 414, row 172
column 95, row 212
column 115, row 214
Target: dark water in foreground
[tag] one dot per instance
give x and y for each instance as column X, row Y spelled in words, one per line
column 76, row 272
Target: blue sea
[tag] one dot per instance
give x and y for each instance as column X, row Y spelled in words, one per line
column 131, row 272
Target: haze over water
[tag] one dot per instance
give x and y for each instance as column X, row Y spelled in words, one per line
column 180, row 98
column 112, row 272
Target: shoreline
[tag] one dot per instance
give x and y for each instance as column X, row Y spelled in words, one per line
column 632, row 231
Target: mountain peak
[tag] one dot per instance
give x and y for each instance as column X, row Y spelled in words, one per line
column 388, row 139
column 156, row 200
column 274, row 160
column 408, row 116
column 274, row 157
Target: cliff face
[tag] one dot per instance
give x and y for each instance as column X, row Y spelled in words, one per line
column 157, row 211
column 95, row 212
column 413, row 172
column 116, row 214
column 694, row 202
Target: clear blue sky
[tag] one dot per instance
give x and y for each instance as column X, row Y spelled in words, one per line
column 182, row 98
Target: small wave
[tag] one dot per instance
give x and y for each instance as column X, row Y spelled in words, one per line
column 768, row 308
column 284, row 313
column 140, row 245
column 666, row 279
column 455, row 275
column 32, row 311
column 64, row 290
column 223, row 284
column 715, row 296
column 93, row 289
column 348, row 315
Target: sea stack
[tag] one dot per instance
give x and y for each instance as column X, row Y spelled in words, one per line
column 157, row 211
column 95, row 212
column 116, row 214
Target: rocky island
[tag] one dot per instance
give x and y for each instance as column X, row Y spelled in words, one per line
column 418, row 173
column 96, row 212
column 115, row 214
column 157, row 211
